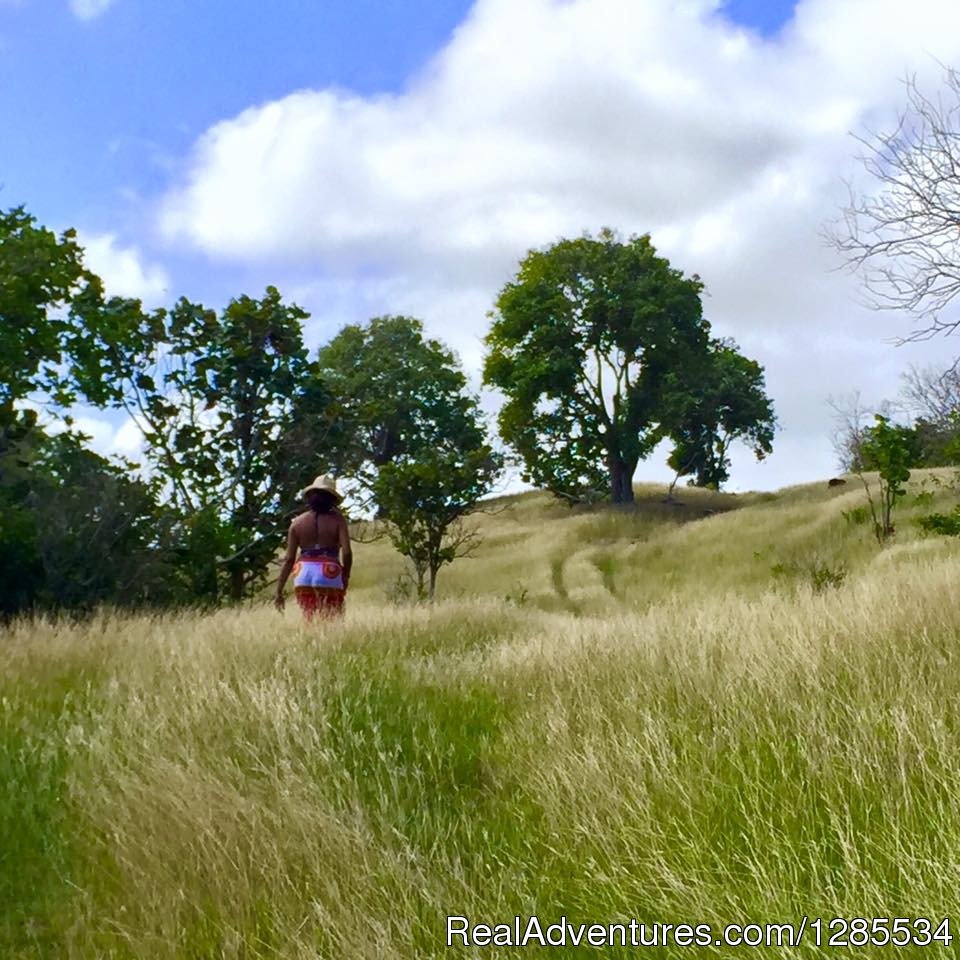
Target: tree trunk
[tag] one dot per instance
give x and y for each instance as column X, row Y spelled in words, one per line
column 433, row 583
column 421, row 576
column 236, row 583
column 621, row 480
column 672, row 487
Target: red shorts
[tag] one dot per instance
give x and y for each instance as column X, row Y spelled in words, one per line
column 318, row 586
column 321, row 601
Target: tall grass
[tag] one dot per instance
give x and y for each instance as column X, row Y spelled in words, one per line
column 683, row 736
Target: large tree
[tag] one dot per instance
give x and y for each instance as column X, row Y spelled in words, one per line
column 232, row 413
column 415, row 440
column 586, row 343
column 397, row 394
column 724, row 402
column 900, row 234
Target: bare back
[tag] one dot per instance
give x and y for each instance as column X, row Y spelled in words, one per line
column 311, row 530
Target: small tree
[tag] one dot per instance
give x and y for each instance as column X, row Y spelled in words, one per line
column 891, row 450
column 724, row 403
column 427, row 500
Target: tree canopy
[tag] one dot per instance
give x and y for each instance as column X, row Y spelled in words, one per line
column 39, row 274
column 599, row 345
column 723, row 403
column 231, row 412
column 416, row 440
column 596, row 344
column 398, row 394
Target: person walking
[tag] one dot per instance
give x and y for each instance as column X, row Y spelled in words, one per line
column 321, row 573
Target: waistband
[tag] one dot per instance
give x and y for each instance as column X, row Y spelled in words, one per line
column 320, row 553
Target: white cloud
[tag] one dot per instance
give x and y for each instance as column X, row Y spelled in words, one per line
column 110, row 432
column 127, row 441
column 89, row 9
column 543, row 118
column 123, row 270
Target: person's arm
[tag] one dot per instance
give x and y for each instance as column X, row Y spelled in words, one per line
column 288, row 561
column 346, row 551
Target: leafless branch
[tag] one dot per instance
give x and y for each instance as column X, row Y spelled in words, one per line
column 368, row 531
column 904, row 240
column 931, row 394
column 850, row 424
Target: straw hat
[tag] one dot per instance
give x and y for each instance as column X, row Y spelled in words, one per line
column 325, row 483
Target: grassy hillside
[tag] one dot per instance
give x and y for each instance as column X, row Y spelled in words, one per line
column 661, row 713
column 601, row 561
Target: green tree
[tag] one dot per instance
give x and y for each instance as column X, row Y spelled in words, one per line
column 417, row 443
column 938, row 444
column 932, row 397
column 397, row 394
column 77, row 530
column 891, row 450
column 587, row 344
column 426, row 501
column 39, row 273
column 232, row 413
column 724, row 403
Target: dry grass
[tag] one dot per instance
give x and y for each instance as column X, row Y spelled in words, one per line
column 663, row 727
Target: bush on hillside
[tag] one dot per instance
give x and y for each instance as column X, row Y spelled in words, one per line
column 947, row 524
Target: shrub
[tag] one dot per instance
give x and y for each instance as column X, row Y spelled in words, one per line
column 947, row 524
column 856, row 516
column 824, row 576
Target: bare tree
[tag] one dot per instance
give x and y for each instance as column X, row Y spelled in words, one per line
column 849, row 424
column 931, row 394
column 904, row 239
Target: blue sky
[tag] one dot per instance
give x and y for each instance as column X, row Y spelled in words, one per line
column 98, row 109
column 105, row 101
column 371, row 157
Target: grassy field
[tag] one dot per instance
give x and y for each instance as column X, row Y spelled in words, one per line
column 740, row 709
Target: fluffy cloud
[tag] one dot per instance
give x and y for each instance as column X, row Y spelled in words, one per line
column 544, row 118
column 89, row 9
column 123, row 270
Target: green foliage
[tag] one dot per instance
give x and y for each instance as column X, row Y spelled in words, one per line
column 938, row 442
column 396, row 393
column 38, row 273
column 947, row 524
column 824, row 576
column 77, row 531
column 723, row 402
column 856, row 516
column 819, row 573
column 891, row 450
column 416, row 441
column 783, row 570
column 426, row 501
column 588, row 344
column 233, row 418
